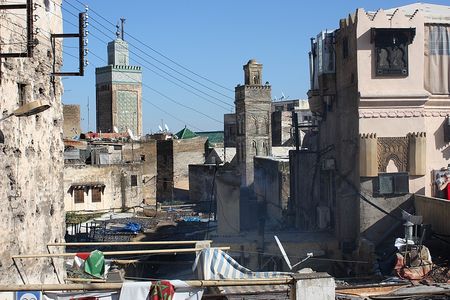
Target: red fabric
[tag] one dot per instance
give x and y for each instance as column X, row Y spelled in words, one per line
column 83, row 255
column 411, row 273
column 447, row 194
column 162, row 290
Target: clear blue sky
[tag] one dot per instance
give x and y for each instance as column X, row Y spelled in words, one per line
column 211, row 38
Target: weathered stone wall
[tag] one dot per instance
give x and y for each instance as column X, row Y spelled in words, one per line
column 253, row 104
column 144, row 152
column 281, row 128
column 201, row 178
column 31, row 195
column 229, row 130
column 164, row 163
column 103, row 108
column 72, row 127
column 118, row 192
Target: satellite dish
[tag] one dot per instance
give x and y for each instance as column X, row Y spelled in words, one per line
column 160, row 128
column 286, row 258
column 130, row 133
column 115, row 129
column 166, row 127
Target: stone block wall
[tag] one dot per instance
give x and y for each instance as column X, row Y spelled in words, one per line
column 31, row 181
column 118, row 192
column 72, row 119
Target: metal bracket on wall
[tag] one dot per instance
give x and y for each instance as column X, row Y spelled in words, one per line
column 30, row 36
column 82, row 43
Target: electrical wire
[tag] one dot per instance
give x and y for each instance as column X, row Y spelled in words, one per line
column 162, row 63
column 162, row 94
column 146, row 53
column 158, row 52
column 206, row 99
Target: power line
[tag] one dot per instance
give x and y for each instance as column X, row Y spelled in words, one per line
column 159, row 61
column 162, row 76
column 159, row 53
column 162, row 94
column 180, row 120
column 167, row 73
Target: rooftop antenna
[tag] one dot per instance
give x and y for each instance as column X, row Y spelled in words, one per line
column 122, row 20
column 160, row 128
column 286, row 258
column 166, row 127
column 117, row 30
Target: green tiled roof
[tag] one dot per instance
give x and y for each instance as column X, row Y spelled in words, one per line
column 185, row 133
column 214, row 137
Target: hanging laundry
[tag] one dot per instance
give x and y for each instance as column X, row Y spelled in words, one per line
column 135, row 290
column 162, row 290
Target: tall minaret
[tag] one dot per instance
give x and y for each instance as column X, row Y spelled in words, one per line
column 253, row 105
column 119, row 90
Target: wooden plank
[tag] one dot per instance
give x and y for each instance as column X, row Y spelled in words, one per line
column 117, row 286
column 111, row 253
column 128, row 243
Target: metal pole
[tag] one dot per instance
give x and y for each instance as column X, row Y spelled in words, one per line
column 30, row 41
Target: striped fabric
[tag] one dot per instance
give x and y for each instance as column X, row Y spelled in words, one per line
column 213, row 264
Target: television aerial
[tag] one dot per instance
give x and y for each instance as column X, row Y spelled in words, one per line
column 286, row 258
column 160, row 128
column 166, row 127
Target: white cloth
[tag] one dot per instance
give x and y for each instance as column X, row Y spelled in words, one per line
column 77, row 295
column 184, row 292
column 138, row 290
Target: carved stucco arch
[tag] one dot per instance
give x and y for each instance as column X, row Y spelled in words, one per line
column 395, row 149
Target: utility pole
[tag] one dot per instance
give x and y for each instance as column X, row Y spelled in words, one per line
column 89, row 125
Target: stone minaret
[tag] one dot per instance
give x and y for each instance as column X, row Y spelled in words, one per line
column 119, row 91
column 253, row 104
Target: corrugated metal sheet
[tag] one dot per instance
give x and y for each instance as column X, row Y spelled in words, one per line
column 72, row 154
column 435, row 212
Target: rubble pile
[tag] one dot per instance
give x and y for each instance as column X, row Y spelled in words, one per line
column 437, row 275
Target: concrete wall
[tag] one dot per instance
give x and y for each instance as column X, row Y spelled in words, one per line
column 271, row 187
column 72, row 120
column 118, row 192
column 31, row 196
column 227, row 190
column 201, row 178
column 314, row 286
column 375, row 225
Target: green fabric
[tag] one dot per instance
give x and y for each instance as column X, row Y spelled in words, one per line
column 185, row 133
column 95, row 264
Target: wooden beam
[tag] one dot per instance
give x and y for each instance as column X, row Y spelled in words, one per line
column 117, row 286
column 111, row 253
column 129, row 243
